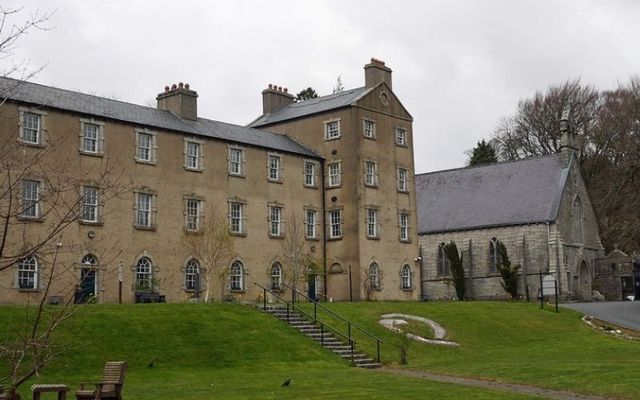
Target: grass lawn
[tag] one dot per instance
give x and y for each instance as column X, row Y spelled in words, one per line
column 216, row 351
column 512, row 342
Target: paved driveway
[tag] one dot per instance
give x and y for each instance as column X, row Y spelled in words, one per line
column 622, row 313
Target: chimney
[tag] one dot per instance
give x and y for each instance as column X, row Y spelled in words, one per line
column 376, row 72
column 180, row 100
column 274, row 97
column 568, row 139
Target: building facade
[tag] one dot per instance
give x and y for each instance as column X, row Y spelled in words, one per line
column 617, row 276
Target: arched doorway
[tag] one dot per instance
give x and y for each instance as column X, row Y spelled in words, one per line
column 585, row 282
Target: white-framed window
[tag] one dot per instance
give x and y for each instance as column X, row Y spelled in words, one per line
column 332, row 129
column 31, row 126
column 236, row 218
column 274, row 168
column 403, row 223
column 276, row 276
column 91, row 137
column 236, row 161
column 406, row 278
column 335, row 224
column 144, row 210
column 237, row 276
column 369, row 128
column 275, row 221
column 443, row 260
column 374, row 276
column 335, row 174
column 370, row 173
column 309, row 170
column 192, row 275
column 402, row 177
column 90, row 204
column 401, row 136
column 372, row 223
column 310, row 224
column 193, row 214
column 89, row 261
column 193, row 159
column 494, row 255
column 28, row 273
column 30, row 199
column 144, row 274
column 146, row 146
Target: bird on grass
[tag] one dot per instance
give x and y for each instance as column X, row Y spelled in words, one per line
column 286, row 383
column 152, row 363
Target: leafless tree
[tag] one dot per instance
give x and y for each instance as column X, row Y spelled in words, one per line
column 298, row 261
column 371, row 284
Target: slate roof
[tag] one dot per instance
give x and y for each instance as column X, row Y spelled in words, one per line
column 67, row 100
column 311, row 106
column 508, row 193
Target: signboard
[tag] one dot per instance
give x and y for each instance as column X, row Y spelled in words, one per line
column 548, row 286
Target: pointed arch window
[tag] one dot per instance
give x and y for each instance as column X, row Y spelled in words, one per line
column 237, row 276
column 374, row 276
column 28, row 273
column 577, row 219
column 276, row 276
column 494, row 255
column 192, row 275
column 443, row 260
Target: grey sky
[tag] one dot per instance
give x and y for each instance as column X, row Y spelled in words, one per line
column 458, row 66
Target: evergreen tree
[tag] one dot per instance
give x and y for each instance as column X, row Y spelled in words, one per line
column 339, row 87
column 306, row 94
column 483, row 154
column 509, row 274
column 457, row 268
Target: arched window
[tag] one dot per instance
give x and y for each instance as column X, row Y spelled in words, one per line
column 237, row 276
column 577, row 219
column 192, row 275
column 494, row 255
column 443, row 260
column 89, row 261
column 276, row 276
column 28, row 273
column 405, row 275
column 144, row 274
column 374, row 276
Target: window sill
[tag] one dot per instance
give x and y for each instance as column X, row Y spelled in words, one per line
column 192, row 231
column 147, row 162
column 30, row 219
column 194, row 169
column 401, row 145
column 408, row 289
column 331, row 239
column 274, row 180
column 145, row 228
column 91, row 223
column 31, row 144
column 313, row 239
column 334, row 187
column 371, row 186
column 90, row 154
column 237, row 175
column 403, row 191
column 239, row 234
column 27, row 290
column 407, row 241
column 310, row 186
column 328, row 139
column 373, row 237
column 369, row 137
column 275, row 236
column 238, row 291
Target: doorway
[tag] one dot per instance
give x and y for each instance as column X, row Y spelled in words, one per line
column 585, row 282
column 86, row 290
column 312, row 285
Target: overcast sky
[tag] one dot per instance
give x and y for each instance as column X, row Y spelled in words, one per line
column 458, row 66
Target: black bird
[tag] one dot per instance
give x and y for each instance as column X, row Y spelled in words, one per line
column 286, row 383
column 152, row 363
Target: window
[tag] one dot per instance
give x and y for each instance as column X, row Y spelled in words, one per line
column 236, row 218
column 577, row 220
column 310, row 222
column 144, row 274
column 494, row 255
column 372, row 223
column 332, row 129
column 145, row 146
column 405, row 275
column 193, row 155
column 89, row 261
column 236, row 161
column 374, row 276
column 91, row 137
column 28, row 273
column 30, row 199
column 443, row 260
column 275, row 221
column 310, row 173
column 89, row 204
column 335, row 224
column 144, row 210
column 401, row 137
column 192, row 275
column 402, row 180
column 276, row 276
column 369, row 128
column 237, row 276
column 193, row 214
column 31, row 127
column 370, row 173
column 335, row 174
column 403, row 222
column 274, row 166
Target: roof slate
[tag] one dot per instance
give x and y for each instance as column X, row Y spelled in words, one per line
column 67, row 100
column 311, row 106
column 508, row 193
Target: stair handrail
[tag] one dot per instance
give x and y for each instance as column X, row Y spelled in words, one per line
column 351, row 341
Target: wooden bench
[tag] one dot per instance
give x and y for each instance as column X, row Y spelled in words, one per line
column 110, row 387
column 38, row 388
column 150, row 298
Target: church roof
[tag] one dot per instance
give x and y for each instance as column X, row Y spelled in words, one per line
column 47, row 96
column 312, row 106
column 508, row 193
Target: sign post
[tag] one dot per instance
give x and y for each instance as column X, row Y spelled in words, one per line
column 550, row 288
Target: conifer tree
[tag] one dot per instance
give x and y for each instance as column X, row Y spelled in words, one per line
column 483, row 154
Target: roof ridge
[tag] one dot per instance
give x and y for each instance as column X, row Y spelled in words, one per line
column 499, row 163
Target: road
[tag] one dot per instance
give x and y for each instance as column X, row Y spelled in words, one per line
column 621, row 313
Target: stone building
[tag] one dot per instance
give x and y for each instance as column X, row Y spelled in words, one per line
column 617, row 276
column 538, row 208
column 134, row 181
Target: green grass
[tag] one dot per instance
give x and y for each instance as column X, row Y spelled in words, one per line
column 217, row 351
column 513, row 342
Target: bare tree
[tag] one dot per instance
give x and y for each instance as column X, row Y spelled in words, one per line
column 212, row 245
column 371, row 282
column 298, row 261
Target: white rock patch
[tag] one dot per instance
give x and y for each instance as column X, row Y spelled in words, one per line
column 394, row 322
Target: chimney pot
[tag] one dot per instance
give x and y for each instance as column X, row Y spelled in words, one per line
column 279, row 88
column 180, row 85
column 166, row 88
column 286, row 90
column 174, row 86
column 186, row 86
column 270, row 86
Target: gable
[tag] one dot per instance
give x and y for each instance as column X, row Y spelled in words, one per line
column 383, row 100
